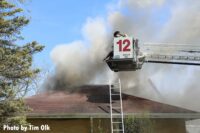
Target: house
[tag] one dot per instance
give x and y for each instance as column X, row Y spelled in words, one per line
column 86, row 110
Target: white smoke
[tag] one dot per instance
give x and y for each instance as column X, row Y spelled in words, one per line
column 80, row 62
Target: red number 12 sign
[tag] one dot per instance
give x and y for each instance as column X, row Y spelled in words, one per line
column 123, row 47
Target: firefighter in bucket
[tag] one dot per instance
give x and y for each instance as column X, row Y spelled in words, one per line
column 125, row 54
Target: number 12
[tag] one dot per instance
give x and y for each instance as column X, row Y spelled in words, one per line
column 126, row 47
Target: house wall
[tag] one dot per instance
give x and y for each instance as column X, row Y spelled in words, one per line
column 169, row 125
column 87, row 125
column 63, row 125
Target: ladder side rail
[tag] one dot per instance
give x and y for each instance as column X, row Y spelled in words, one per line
column 173, row 56
column 122, row 113
column 111, row 119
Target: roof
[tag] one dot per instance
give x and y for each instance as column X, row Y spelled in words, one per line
column 87, row 100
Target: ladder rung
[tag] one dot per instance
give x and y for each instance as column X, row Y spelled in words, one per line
column 117, row 87
column 117, row 114
column 117, row 122
column 116, row 111
column 116, row 130
column 115, row 94
column 116, row 107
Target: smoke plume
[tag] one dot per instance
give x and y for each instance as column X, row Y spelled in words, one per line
column 80, row 62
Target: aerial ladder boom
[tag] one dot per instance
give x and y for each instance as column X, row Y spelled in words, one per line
column 127, row 55
column 172, row 54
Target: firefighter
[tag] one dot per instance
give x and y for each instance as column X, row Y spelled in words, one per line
column 111, row 53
